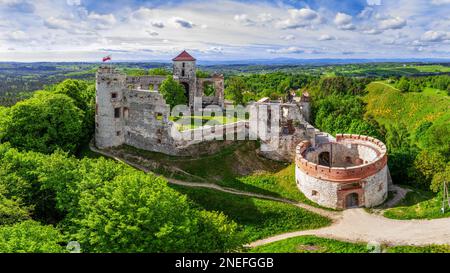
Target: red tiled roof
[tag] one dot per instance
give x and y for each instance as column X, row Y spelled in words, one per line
column 184, row 56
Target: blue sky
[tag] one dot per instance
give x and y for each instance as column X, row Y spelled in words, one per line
column 86, row 30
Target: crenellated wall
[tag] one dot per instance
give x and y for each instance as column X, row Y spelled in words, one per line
column 365, row 173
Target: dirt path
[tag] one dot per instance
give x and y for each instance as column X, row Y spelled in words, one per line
column 357, row 225
column 400, row 193
column 353, row 225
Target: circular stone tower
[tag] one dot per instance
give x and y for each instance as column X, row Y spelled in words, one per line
column 346, row 173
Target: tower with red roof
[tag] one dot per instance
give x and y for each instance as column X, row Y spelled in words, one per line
column 184, row 70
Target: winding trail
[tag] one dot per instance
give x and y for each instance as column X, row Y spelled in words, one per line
column 352, row 225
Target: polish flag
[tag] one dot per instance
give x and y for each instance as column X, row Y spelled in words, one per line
column 107, row 58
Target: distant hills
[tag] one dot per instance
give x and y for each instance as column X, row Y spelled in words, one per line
column 279, row 61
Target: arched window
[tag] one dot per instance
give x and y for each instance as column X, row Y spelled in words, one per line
column 324, row 159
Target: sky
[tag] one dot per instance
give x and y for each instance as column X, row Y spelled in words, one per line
column 221, row 30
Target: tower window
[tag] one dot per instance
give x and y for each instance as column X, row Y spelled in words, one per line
column 184, row 65
column 182, row 72
column 117, row 112
column 118, row 133
column 113, row 95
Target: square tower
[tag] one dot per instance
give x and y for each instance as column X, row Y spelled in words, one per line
column 184, row 71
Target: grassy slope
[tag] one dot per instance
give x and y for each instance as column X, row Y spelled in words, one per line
column 418, row 204
column 237, row 166
column 257, row 218
column 388, row 105
column 313, row 244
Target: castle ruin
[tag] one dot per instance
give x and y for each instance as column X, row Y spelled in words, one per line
column 340, row 172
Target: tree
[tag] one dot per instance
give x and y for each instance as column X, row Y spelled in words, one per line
column 202, row 74
column 235, row 89
column 20, row 174
column 173, row 92
column 403, row 84
column 11, row 211
column 397, row 136
column 83, row 95
column 426, row 165
column 440, row 178
column 137, row 212
column 401, row 162
column 30, row 237
column 78, row 90
column 44, row 123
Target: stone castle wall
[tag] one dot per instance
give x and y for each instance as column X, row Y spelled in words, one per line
column 129, row 113
column 330, row 186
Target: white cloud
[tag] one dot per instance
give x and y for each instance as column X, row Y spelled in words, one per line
column 157, row 24
column 326, row 37
column 344, row 21
column 102, row 21
column 243, row 19
column 182, row 23
column 265, row 18
column 440, row 2
column 73, row 2
column 17, row 35
column 392, row 23
column 152, row 33
column 287, row 50
column 303, row 14
column 435, row 36
column 300, row 18
column 373, row 31
column 373, row 2
column 57, row 23
column 143, row 33
column 289, row 37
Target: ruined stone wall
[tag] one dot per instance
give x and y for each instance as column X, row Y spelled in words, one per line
column 293, row 128
column 143, row 120
column 147, row 125
column 218, row 97
column 151, row 83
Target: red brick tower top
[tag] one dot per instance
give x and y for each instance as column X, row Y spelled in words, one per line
column 184, row 56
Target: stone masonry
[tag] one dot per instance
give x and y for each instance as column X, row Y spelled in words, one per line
column 342, row 172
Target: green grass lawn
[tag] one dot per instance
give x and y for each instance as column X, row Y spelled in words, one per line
column 418, row 204
column 257, row 218
column 432, row 68
column 313, row 244
column 420, row 249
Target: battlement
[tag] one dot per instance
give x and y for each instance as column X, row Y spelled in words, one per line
column 107, row 69
column 374, row 162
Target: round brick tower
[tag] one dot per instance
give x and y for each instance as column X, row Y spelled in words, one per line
column 349, row 172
